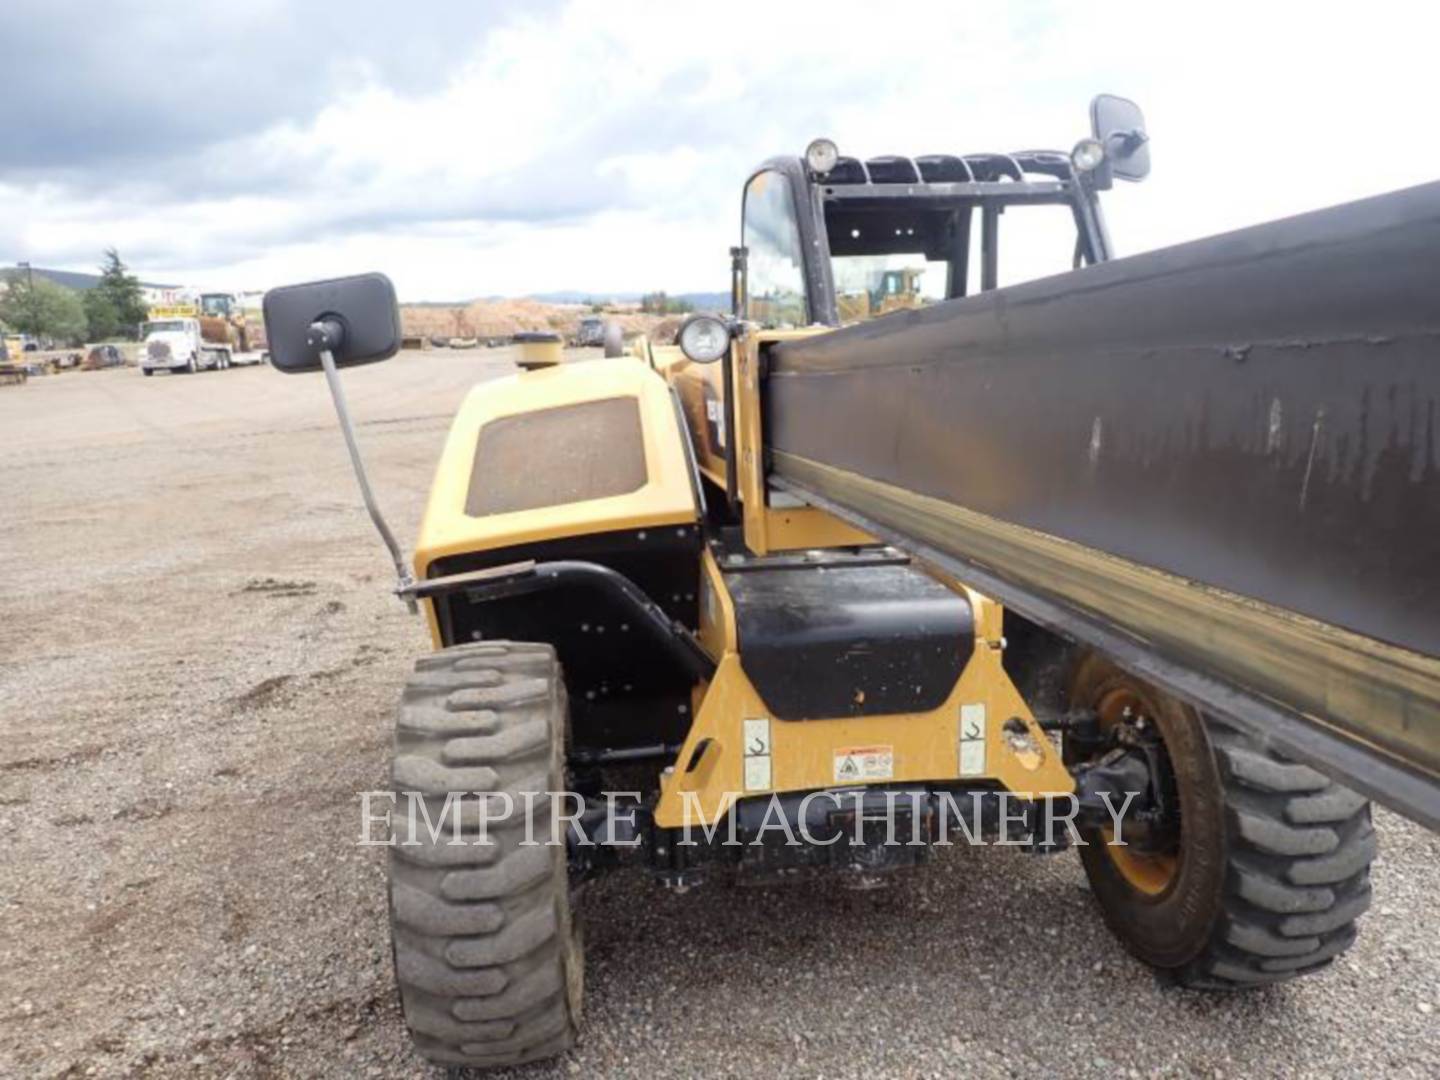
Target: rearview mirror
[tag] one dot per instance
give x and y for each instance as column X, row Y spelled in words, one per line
column 1120, row 127
column 363, row 307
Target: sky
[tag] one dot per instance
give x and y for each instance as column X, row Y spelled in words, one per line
column 472, row 148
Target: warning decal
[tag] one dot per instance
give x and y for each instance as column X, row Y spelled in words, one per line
column 857, row 764
column 972, row 739
column 757, row 753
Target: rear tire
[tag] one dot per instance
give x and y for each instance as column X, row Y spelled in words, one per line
column 488, row 959
column 614, row 339
column 1273, row 861
column 147, row 372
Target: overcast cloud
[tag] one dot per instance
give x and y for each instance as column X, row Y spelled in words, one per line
column 472, row 148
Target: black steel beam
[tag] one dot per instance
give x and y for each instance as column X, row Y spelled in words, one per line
column 1226, row 451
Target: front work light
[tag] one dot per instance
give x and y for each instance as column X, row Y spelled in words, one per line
column 1088, row 155
column 704, row 338
column 821, row 155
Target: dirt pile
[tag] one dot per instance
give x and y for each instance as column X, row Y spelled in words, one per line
column 501, row 318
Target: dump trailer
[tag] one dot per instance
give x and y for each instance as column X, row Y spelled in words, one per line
column 1138, row 559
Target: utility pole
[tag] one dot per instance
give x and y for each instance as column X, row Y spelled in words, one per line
column 33, row 313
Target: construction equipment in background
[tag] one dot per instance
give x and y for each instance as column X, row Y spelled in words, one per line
column 12, row 355
column 889, row 290
column 225, row 326
column 102, row 356
column 590, row 333
column 213, row 333
column 788, row 593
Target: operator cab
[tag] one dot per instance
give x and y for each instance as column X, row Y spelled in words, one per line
column 836, row 240
column 217, row 305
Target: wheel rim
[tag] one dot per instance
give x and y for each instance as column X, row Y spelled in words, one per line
column 1148, row 874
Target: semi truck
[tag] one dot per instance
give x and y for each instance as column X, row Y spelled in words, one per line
column 212, row 333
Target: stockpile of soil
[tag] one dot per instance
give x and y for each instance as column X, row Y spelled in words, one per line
column 501, row 318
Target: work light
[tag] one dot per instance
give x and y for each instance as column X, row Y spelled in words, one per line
column 704, row 338
column 1088, row 155
column 821, row 155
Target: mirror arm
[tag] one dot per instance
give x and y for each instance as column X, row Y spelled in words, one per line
column 325, row 335
column 1130, row 141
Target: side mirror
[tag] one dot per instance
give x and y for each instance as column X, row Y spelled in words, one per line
column 360, row 315
column 1119, row 126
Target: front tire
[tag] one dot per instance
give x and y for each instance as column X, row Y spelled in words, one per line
column 1272, row 864
column 487, row 956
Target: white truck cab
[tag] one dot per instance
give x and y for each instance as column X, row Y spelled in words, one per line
column 172, row 344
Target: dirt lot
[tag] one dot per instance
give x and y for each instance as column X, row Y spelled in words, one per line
column 198, row 663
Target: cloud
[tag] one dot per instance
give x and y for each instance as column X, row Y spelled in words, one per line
column 118, row 83
column 485, row 148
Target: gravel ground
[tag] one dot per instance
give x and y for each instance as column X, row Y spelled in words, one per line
column 198, row 665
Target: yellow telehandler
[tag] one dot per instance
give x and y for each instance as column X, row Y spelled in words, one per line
column 1136, row 559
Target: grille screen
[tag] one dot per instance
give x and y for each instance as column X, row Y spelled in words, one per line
column 588, row 451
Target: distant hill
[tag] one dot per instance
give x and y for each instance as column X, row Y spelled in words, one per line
column 73, row 279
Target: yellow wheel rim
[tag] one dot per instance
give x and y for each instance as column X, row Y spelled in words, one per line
column 1146, row 873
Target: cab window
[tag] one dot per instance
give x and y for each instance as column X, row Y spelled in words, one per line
column 867, row 286
column 775, row 274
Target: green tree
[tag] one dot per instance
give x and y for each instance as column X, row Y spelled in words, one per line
column 37, row 306
column 658, row 303
column 101, row 316
column 120, row 290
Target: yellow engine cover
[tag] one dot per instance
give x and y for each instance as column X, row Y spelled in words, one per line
column 563, row 451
